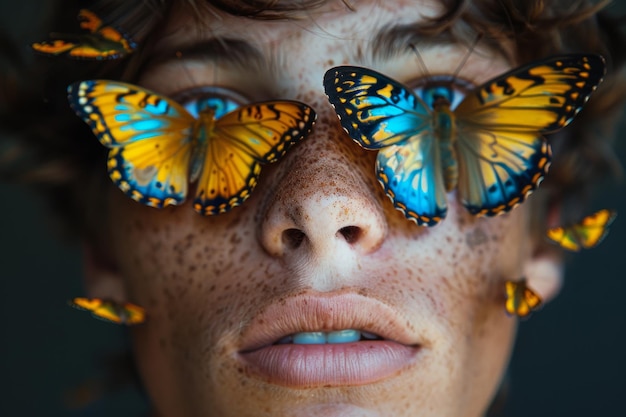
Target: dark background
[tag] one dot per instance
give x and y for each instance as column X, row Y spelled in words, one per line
column 569, row 358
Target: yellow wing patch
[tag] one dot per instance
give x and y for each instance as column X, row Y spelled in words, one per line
column 585, row 234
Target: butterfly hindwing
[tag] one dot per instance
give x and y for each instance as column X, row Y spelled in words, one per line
column 412, row 177
column 499, row 169
column 149, row 137
column 521, row 300
column 102, row 42
column 243, row 140
column 586, row 234
column 119, row 313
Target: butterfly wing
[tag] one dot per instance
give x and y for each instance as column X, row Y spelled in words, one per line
column 132, row 314
column 412, row 177
column 586, row 234
column 119, row 313
column 102, row 42
column 240, row 142
column 381, row 114
column 149, row 137
column 520, row 299
column 501, row 150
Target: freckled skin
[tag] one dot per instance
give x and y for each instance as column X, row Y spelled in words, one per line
column 203, row 279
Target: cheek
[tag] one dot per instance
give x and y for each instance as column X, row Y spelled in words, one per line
column 191, row 273
column 460, row 266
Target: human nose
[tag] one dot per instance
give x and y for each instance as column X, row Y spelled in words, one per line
column 322, row 201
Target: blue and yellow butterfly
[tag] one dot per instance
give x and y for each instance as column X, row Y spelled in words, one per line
column 119, row 313
column 157, row 146
column 102, row 42
column 490, row 145
column 585, row 234
column 520, row 299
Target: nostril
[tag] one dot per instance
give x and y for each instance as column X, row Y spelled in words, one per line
column 351, row 233
column 292, row 238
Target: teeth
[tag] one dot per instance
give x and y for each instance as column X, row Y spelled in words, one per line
column 309, row 338
column 343, row 336
column 320, row 338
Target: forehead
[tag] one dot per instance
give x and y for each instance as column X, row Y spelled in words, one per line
column 272, row 59
column 333, row 28
column 359, row 22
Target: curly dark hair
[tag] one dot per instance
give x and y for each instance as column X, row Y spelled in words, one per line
column 43, row 140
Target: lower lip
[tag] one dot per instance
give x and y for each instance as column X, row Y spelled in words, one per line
column 306, row 366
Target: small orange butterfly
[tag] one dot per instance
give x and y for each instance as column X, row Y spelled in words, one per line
column 107, row 310
column 520, row 299
column 586, row 234
column 102, row 42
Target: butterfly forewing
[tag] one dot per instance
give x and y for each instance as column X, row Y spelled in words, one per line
column 539, row 97
column 240, row 142
column 375, row 110
column 149, row 137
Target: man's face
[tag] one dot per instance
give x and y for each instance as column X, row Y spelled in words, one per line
column 317, row 248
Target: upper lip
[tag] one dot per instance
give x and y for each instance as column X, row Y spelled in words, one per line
column 326, row 312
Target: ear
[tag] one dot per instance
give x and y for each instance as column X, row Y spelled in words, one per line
column 544, row 273
column 102, row 278
column 544, row 270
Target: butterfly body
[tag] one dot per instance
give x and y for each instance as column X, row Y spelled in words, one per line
column 445, row 129
column 157, row 147
column 101, row 42
column 489, row 145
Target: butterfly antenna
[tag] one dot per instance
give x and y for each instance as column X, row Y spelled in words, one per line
column 471, row 49
column 419, row 58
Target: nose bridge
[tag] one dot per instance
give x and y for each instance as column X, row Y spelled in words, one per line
column 322, row 200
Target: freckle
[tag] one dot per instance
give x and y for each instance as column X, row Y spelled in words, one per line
column 212, row 288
